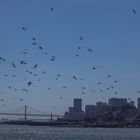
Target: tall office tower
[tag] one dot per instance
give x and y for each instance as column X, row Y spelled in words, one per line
column 77, row 105
column 138, row 103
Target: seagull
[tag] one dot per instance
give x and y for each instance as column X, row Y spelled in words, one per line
column 33, row 38
column 74, row 77
column 29, row 83
column 58, row 75
column 21, row 99
column 83, row 92
column 79, row 47
column 24, row 28
column 134, row 11
column 2, row 59
column 51, row 9
column 43, row 72
column 5, row 75
column 41, row 48
column 35, row 66
column 52, row 59
column 138, row 91
column 109, row 75
column 81, row 38
column 83, row 88
column 14, row 65
column 64, row 87
column 90, row 50
column 10, row 87
column 81, row 79
column 25, row 90
column 30, row 72
column 35, row 75
column 23, row 62
column 77, row 55
column 34, row 43
column 25, row 51
column 13, row 75
column 101, row 90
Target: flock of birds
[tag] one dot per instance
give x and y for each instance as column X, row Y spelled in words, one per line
column 32, row 71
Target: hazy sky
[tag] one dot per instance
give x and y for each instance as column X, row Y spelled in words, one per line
column 109, row 27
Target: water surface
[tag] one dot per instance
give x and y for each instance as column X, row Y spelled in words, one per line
column 17, row 132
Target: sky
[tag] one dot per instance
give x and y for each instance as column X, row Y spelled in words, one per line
column 110, row 29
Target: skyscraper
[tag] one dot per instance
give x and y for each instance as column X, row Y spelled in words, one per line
column 77, row 105
column 138, row 103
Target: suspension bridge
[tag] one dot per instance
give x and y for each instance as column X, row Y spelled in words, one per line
column 27, row 111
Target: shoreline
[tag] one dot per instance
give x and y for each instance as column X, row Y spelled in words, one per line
column 71, row 124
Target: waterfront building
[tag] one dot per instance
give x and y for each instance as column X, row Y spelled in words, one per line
column 138, row 103
column 66, row 115
column 75, row 113
column 131, row 103
column 90, row 111
column 77, row 104
column 116, row 103
column 102, row 108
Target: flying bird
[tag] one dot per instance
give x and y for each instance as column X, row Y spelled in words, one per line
column 43, row 72
column 138, row 91
column 90, row 50
column 35, row 66
column 25, row 51
column 58, row 75
column 29, row 83
column 77, row 55
column 2, row 59
column 74, row 77
column 25, row 90
column 23, row 62
column 41, row 48
column 24, row 28
column 81, row 38
column 79, row 48
column 93, row 68
column 64, row 87
column 83, row 88
column 13, row 65
column 108, row 75
column 34, row 43
column 51, row 9
column 134, row 11
column 21, row 99
column 33, row 38
column 83, row 92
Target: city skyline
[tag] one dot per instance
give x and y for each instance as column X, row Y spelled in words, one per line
column 73, row 49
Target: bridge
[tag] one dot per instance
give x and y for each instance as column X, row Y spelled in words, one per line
column 26, row 113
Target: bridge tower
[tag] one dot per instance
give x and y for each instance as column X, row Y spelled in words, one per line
column 25, row 112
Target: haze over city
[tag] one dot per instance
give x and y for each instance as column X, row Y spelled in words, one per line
column 53, row 51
